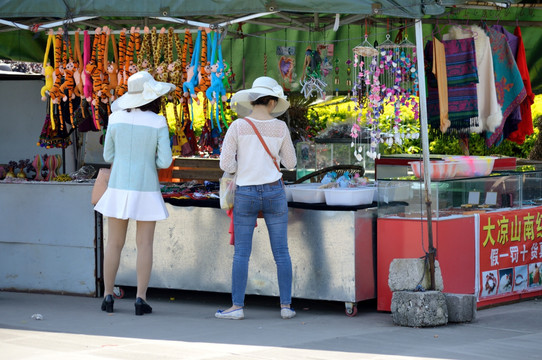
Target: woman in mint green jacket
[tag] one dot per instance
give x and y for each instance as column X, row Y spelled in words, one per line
column 136, row 144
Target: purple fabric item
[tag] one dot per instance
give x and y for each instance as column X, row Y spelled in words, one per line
column 462, row 76
column 512, row 39
column 460, row 62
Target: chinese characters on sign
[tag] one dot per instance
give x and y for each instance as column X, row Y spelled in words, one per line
column 510, row 252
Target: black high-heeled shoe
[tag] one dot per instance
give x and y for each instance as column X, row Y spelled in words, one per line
column 141, row 307
column 107, row 304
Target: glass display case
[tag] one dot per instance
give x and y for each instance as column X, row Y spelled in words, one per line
column 462, row 196
column 482, row 228
column 313, row 156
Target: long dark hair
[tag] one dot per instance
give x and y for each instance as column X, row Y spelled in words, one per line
column 153, row 106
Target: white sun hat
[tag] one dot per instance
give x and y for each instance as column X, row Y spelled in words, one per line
column 262, row 86
column 142, row 89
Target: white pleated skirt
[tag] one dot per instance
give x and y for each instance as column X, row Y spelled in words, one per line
column 136, row 205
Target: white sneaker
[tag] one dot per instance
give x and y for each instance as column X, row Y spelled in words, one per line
column 237, row 314
column 287, row 313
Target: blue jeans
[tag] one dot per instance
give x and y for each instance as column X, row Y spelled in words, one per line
column 271, row 200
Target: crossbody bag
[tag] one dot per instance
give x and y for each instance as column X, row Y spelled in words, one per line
column 275, row 162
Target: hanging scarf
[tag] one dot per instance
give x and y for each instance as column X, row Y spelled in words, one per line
column 525, row 127
column 514, row 119
column 439, row 70
column 489, row 109
column 510, row 88
column 462, row 77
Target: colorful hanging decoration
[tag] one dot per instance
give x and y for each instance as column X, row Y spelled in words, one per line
column 59, row 112
column 312, row 80
column 216, row 93
column 336, row 79
column 286, row 64
column 192, row 73
column 386, row 76
column 87, row 78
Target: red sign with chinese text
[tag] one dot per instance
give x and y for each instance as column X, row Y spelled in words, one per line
column 510, row 253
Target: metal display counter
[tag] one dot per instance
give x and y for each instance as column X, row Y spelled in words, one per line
column 332, row 254
column 48, row 240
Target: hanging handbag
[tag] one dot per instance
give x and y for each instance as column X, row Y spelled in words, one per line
column 100, row 185
column 227, row 190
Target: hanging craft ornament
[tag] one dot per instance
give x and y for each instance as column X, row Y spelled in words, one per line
column 337, row 80
column 192, row 72
column 265, row 56
column 398, row 66
column 367, row 91
column 355, row 134
column 326, row 52
column 365, row 49
column 47, row 68
column 388, row 78
column 365, row 55
column 312, row 80
column 286, row 64
column 217, row 92
column 348, row 70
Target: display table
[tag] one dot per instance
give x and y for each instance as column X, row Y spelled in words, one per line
column 331, row 250
column 48, row 240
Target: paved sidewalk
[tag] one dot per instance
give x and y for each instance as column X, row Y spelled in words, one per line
column 183, row 326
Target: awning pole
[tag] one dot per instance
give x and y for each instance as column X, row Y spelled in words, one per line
column 425, row 146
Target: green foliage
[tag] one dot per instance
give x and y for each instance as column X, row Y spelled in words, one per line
column 322, row 115
column 319, row 118
column 307, row 121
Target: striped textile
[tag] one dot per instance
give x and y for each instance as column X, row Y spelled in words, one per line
column 462, row 77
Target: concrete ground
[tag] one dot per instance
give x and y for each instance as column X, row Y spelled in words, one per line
column 183, row 326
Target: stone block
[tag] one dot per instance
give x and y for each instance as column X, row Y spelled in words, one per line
column 419, row 309
column 461, row 307
column 405, row 275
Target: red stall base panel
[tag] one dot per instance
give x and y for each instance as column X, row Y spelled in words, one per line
column 453, row 238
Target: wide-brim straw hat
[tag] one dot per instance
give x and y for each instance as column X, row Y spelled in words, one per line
column 262, row 86
column 142, row 89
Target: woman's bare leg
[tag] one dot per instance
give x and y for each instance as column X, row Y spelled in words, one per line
column 116, row 238
column 144, row 242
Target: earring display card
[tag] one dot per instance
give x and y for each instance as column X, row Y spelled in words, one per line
column 474, row 198
column 491, row 198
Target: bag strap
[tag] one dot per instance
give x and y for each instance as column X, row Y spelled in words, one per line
column 263, row 143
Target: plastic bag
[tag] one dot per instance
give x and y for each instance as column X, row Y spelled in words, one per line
column 329, row 177
column 86, row 172
column 227, row 190
column 344, row 180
